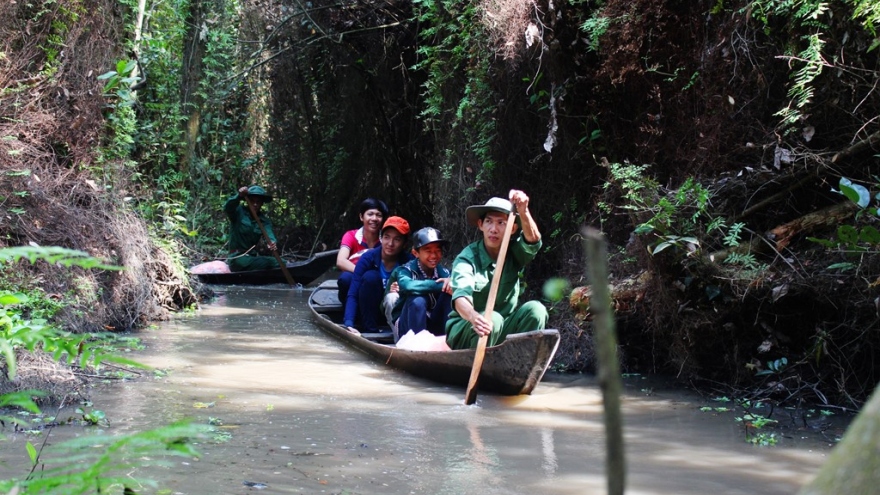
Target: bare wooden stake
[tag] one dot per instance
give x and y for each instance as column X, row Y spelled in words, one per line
column 608, row 367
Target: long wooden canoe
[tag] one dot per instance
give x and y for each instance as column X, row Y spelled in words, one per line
column 303, row 271
column 511, row 368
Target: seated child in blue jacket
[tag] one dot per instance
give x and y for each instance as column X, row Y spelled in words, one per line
column 424, row 297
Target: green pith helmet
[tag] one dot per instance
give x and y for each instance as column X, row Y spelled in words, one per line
column 259, row 191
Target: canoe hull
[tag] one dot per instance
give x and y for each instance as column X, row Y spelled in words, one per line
column 303, row 272
column 514, row 367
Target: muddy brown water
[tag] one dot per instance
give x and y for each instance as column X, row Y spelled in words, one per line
column 302, row 413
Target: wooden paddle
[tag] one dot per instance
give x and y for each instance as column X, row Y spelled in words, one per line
column 471, row 395
column 281, row 262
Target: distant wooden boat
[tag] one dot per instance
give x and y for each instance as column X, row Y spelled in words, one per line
column 302, row 272
column 513, row 367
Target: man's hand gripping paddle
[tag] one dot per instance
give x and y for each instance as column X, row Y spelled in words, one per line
column 281, row 262
column 471, row 395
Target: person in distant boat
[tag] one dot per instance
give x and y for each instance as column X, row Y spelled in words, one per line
column 472, row 272
column 354, row 242
column 371, row 274
column 245, row 233
column 423, row 300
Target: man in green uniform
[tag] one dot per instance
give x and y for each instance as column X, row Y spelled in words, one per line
column 474, row 267
column 245, row 233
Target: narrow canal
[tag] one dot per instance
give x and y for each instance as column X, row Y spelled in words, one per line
column 298, row 412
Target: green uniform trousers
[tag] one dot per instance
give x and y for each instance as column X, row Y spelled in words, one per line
column 532, row 315
column 245, row 263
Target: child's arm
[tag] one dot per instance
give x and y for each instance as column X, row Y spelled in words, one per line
column 409, row 286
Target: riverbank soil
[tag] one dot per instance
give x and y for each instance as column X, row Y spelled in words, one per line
column 60, row 186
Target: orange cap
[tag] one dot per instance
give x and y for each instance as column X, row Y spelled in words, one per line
column 398, row 224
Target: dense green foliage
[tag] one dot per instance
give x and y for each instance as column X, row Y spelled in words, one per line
column 189, row 127
column 103, row 463
column 75, row 466
column 448, row 28
column 25, row 321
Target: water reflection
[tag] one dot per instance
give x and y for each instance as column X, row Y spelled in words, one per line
column 305, row 414
column 547, row 448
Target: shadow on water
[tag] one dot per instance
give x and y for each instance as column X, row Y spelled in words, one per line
column 301, row 413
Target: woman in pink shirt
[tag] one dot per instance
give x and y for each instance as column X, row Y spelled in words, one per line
column 354, row 242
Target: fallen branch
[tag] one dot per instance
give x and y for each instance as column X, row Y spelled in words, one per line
column 781, row 236
column 858, row 147
column 823, row 219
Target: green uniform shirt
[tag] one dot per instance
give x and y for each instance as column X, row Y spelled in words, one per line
column 473, row 269
column 243, row 230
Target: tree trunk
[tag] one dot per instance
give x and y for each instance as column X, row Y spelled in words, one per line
column 138, row 33
column 854, row 465
column 191, row 75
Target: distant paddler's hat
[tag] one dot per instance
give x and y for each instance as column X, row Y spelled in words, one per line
column 259, row 191
column 477, row 212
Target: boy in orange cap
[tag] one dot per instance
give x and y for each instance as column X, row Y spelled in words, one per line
column 371, row 274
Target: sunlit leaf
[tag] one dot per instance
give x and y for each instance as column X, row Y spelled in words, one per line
column 10, row 299
column 661, row 247
column 856, row 193
column 9, row 354
column 32, row 452
column 63, row 256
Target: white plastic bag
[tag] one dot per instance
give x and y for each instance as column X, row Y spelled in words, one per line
column 422, row 341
